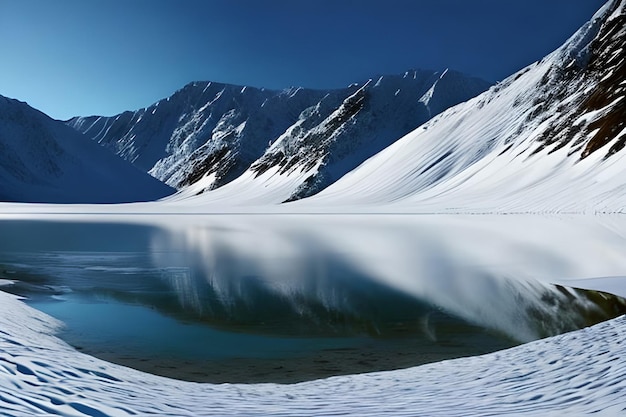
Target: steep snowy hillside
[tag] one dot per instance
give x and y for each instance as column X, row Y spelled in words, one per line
column 208, row 134
column 43, row 160
column 325, row 148
column 548, row 138
column 203, row 128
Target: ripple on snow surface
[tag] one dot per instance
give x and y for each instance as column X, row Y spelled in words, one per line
column 576, row 373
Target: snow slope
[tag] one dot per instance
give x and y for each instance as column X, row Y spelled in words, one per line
column 576, row 373
column 42, row 160
column 548, row 138
column 209, row 134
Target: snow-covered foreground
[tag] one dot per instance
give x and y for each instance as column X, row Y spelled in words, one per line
column 577, row 373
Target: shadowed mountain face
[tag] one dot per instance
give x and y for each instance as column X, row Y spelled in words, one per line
column 44, row 161
column 209, row 134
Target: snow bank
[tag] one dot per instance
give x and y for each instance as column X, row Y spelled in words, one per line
column 576, row 373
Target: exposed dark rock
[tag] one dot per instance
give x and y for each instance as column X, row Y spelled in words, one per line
column 608, row 65
column 211, row 128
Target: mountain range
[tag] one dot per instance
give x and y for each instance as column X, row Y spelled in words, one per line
column 549, row 138
column 208, row 134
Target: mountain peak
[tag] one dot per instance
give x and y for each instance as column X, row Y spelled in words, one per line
column 549, row 138
column 210, row 134
column 43, row 160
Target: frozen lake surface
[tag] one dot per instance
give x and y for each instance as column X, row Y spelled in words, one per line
column 290, row 298
column 140, row 296
column 491, row 273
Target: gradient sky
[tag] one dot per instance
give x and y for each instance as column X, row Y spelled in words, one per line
column 83, row 57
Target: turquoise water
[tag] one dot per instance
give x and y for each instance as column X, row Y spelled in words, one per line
column 98, row 323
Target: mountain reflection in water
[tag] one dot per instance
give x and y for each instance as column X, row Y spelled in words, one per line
column 289, row 298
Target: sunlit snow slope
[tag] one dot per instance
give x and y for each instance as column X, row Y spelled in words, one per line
column 42, row 160
column 548, row 138
column 208, row 134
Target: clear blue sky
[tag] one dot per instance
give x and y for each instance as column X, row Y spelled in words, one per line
column 83, row 57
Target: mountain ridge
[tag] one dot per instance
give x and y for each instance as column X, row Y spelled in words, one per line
column 522, row 146
column 44, row 161
column 207, row 134
column 549, row 138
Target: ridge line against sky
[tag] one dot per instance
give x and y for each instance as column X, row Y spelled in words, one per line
column 78, row 58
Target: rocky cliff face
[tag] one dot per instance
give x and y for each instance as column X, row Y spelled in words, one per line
column 585, row 86
column 210, row 133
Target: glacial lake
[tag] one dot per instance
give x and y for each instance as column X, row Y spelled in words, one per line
column 279, row 298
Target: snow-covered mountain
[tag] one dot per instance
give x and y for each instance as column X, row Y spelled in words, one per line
column 43, row 160
column 548, row 138
column 209, row 134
